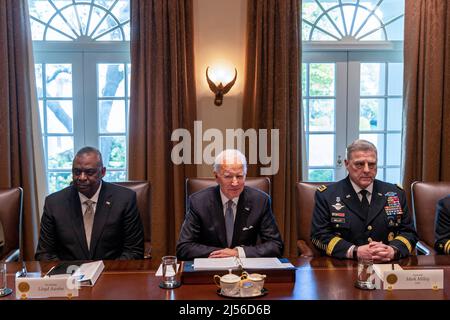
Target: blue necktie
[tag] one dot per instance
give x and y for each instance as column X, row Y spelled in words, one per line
column 229, row 222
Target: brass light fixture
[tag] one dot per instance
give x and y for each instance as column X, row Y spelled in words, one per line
column 220, row 90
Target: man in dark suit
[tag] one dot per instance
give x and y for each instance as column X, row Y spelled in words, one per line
column 442, row 244
column 229, row 219
column 91, row 219
column 360, row 216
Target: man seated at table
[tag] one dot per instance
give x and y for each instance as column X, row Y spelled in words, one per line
column 442, row 244
column 229, row 219
column 91, row 219
column 360, row 216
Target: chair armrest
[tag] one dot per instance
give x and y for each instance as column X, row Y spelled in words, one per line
column 304, row 249
column 12, row 256
column 147, row 250
column 423, row 248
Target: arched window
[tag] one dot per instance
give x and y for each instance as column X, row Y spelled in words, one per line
column 59, row 20
column 352, row 81
column 362, row 20
column 82, row 75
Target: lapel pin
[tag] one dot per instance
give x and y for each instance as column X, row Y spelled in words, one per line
column 348, row 196
column 108, row 203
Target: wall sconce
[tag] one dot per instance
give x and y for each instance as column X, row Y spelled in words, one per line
column 220, row 90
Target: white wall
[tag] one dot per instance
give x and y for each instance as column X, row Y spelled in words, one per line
column 219, row 40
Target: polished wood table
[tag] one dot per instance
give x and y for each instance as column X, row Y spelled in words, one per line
column 316, row 279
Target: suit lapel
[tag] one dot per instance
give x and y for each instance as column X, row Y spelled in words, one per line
column 102, row 209
column 376, row 203
column 351, row 199
column 218, row 217
column 242, row 212
column 76, row 215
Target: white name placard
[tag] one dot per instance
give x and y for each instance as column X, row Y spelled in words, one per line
column 413, row 279
column 35, row 286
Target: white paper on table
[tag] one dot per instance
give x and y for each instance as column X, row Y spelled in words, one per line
column 170, row 272
column 233, row 263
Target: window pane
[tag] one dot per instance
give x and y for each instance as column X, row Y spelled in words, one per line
column 114, row 151
column 115, row 176
column 41, row 115
column 372, row 79
column 38, row 73
column 305, row 114
column 371, row 116
column 111, row 80
column 60, row 152
column 129, row 79
column 395, row 114
column 59, row 116
column 378, row 141
column 58, row 180
column 112, row 116
column 321, row 150
column 304, row 67
column 321, row 115
column 393, row 149
column 59, row 80
column 320, row 175
column 393, row 175
column 395, row 82
column 321, row 79
column 380, row 174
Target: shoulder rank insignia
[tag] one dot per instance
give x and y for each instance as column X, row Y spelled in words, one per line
column 399, row 186
column 322, row 188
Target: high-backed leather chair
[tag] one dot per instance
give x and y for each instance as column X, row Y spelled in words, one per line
column 305, row 208
column 196, row 184
column 11, row 219
column 143, row 196
column 425, row 196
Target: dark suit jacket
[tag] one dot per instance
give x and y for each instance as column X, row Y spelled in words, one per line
column 442, row 233
column 117, row 232
column 203, row 230
column 338, row 222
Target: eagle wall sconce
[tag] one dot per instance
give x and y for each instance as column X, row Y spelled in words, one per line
column 220, row 90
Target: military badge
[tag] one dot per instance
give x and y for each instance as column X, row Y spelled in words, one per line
column 338, row 220
column 338, row 214
column 390, row 236
column 338, row 206
column 322, row 188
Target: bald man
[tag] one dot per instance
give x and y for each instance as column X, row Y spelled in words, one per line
column 229, row 219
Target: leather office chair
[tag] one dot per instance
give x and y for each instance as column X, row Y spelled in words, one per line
column 143, row 195
column 425, row 196
column 11, row 201
column 305, row 207
column 196, row 184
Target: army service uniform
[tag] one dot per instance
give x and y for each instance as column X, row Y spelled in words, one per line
column 338, row 221
column 442, row 244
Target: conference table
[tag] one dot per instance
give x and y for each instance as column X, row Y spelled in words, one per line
column 321, row 278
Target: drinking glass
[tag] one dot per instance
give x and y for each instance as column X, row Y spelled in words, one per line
column 169, row 273
column 366, row 274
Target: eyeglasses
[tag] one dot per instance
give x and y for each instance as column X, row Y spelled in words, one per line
column 89, row 172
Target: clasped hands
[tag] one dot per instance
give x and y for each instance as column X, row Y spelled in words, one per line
column 224, row 253
column 377, row 251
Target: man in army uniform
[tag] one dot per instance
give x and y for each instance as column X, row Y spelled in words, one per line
column 360, row 216
column 442, row 244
